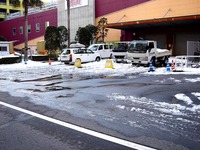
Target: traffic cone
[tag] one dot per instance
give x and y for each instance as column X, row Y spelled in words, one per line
column 49, row 61
column 151, row 67
column 172, row 66
column 168, row 67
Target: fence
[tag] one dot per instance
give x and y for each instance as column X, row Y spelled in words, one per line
column 193, row 47
column 32, row 10
column 191, row 61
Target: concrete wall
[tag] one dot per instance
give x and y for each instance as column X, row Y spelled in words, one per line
column 81, row 15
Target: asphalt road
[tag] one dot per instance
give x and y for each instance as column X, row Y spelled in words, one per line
column 138, row 108
column 20, row 131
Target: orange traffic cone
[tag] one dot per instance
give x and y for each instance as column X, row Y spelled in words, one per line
column 172, row 66
column 49, row 61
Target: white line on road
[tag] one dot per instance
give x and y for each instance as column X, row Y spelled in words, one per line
column 81, row 129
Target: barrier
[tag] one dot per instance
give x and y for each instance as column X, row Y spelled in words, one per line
column 189, row 61
column 77, row 63
column 49, row 61
column 168, row 67
column 151, row 68
column 172, row 66
column 109, row 64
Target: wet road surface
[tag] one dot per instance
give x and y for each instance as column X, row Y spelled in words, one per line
column 137, row 107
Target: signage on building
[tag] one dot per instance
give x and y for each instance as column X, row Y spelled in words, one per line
column 76, row 3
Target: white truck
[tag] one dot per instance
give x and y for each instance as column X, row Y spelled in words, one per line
column 120, row 51
column 144, row 51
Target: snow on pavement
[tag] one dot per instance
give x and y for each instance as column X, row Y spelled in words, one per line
column 34, row 69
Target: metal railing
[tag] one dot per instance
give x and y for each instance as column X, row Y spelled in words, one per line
column 191, row 61
column 32, row 10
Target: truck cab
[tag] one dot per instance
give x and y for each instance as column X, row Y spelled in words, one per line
column 120, row 51
column 144, row 51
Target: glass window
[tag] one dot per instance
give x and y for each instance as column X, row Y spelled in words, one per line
column 94, row 48
column 14, row 31
column 37, row 27
column 106, row 46
column 29, row 28
column 3, row 48
column 21, row 30
column 46, row 24
column 100, row 47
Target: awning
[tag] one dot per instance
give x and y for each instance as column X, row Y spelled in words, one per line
column 160, row 22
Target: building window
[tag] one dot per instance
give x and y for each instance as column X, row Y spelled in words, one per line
column 29, row 28
column 37, row 27
column 46, row 24
column 3, row 48
column 14, row 31
column 21, row 30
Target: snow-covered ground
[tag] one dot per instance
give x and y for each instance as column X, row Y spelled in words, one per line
column 21, row 79
column 93, row 68
column 33, row 69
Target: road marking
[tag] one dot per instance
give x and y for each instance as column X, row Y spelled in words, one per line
column 81, row 129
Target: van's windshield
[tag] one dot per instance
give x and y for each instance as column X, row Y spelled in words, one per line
column 66, row 52
column 93, row 48
column 138, row 47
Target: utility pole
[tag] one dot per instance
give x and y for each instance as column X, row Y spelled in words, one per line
column 68, row 21
column 26, row 31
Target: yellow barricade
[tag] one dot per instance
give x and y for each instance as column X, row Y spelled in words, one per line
column 77, row 63
column 109, row 64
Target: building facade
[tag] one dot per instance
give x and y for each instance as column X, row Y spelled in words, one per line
column 38, row 20
column 171, row 23
column 82, row 13
column 7, row 8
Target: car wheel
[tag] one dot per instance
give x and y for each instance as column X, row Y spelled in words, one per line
column 98, row 59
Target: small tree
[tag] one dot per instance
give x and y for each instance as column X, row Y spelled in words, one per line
column 102, row 31
column 93, row 32
column 86, row 34
column 63, row 36
column 52, row 40
column 83, row 36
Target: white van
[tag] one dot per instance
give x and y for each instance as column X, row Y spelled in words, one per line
column 104, row 49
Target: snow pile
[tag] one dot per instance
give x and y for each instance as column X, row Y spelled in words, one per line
column 139, row 104
column 93, row 68
column 183, row 97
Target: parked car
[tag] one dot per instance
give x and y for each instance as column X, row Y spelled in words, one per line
column 69, row 55
column 120, row 51
column 103, row 49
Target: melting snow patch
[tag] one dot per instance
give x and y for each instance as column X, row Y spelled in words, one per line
column 184, row 98
column 197, row 95
column 193, row 80
column 147, row 106
column 120, row 107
